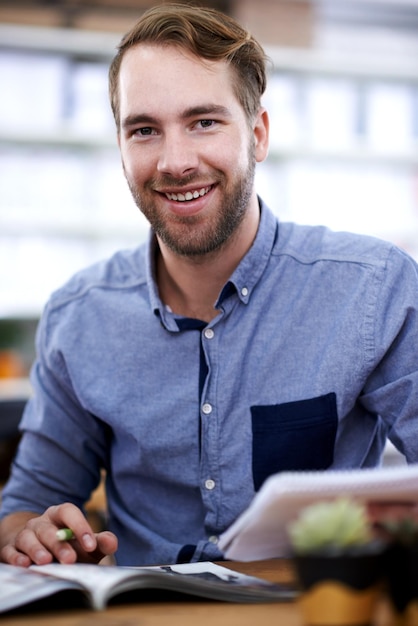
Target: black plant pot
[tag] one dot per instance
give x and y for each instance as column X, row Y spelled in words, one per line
column 402, row 577
column 339, row 590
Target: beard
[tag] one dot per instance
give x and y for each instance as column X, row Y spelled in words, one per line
column 192, row 236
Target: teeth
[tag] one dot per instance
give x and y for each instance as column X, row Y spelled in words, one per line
column 189, row 195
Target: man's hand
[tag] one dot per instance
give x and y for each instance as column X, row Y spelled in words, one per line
column 27, row 538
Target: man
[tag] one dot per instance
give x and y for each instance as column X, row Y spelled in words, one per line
column 227, row 348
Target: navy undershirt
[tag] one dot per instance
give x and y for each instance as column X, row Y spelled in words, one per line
column 187, row 323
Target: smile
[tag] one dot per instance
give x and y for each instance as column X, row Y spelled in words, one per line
column 189, row 195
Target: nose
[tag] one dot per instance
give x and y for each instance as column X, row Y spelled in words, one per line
column 178, row 155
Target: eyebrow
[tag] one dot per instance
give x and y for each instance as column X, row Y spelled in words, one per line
column 210, row 109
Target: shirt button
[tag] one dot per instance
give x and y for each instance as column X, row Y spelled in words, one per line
column 209, row 334
column 207, row 408
column 213, row 539
column 244, row 291
column 210, row 484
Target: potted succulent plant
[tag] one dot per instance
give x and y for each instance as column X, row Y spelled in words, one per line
column 401, row 566
column 338, row 561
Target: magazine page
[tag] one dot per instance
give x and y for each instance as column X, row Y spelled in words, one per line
column 20, row 586
column 203, row 579
column 100, row 582
column 261, row 531
column 214, row 581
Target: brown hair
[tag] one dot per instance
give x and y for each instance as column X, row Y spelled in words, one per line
column 206, row 33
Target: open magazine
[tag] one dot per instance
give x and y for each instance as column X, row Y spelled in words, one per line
column 261, row 531
column 98, row 584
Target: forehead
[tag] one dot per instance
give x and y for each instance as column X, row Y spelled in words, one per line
column 153, row 75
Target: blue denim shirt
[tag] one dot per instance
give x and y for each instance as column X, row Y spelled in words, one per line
column 311, row 363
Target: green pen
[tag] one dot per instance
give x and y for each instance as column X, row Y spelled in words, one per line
column 65, row 534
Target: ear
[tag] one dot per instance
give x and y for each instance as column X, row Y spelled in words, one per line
column 261, row 135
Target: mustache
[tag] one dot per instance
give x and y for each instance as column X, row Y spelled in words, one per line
column 166, row 180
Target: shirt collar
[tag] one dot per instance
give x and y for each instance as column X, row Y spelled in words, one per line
column 253, row 264
column 159, row 308
column 244, row 278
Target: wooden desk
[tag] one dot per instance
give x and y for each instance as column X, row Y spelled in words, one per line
column 192, row 612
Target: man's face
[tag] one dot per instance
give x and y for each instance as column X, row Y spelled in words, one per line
column 187, row 149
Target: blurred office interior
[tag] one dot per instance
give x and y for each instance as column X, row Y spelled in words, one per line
column 343, row 97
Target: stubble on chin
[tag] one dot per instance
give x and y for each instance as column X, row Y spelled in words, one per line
column 194, row 236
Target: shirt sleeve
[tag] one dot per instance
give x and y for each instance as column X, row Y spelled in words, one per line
column 391, row 390
column 63, row 446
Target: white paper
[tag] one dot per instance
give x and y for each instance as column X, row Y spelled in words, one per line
column 261, row 531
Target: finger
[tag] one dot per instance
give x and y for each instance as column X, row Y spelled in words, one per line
column 378, row 511
column 12, row 556
column 107, row 544
column 67, row 515
column 27, row 542
column 39, row 540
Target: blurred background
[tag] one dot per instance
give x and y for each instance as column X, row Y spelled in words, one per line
column 343, row 97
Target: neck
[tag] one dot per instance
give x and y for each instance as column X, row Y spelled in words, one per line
column 191, row 285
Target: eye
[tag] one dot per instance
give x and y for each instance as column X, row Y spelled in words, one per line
column 206, row 123
column 145, row 131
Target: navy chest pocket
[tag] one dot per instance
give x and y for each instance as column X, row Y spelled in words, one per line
column 293, row 436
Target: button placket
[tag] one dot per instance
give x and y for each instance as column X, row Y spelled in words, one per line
column 209, row 450
column 208, row 333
